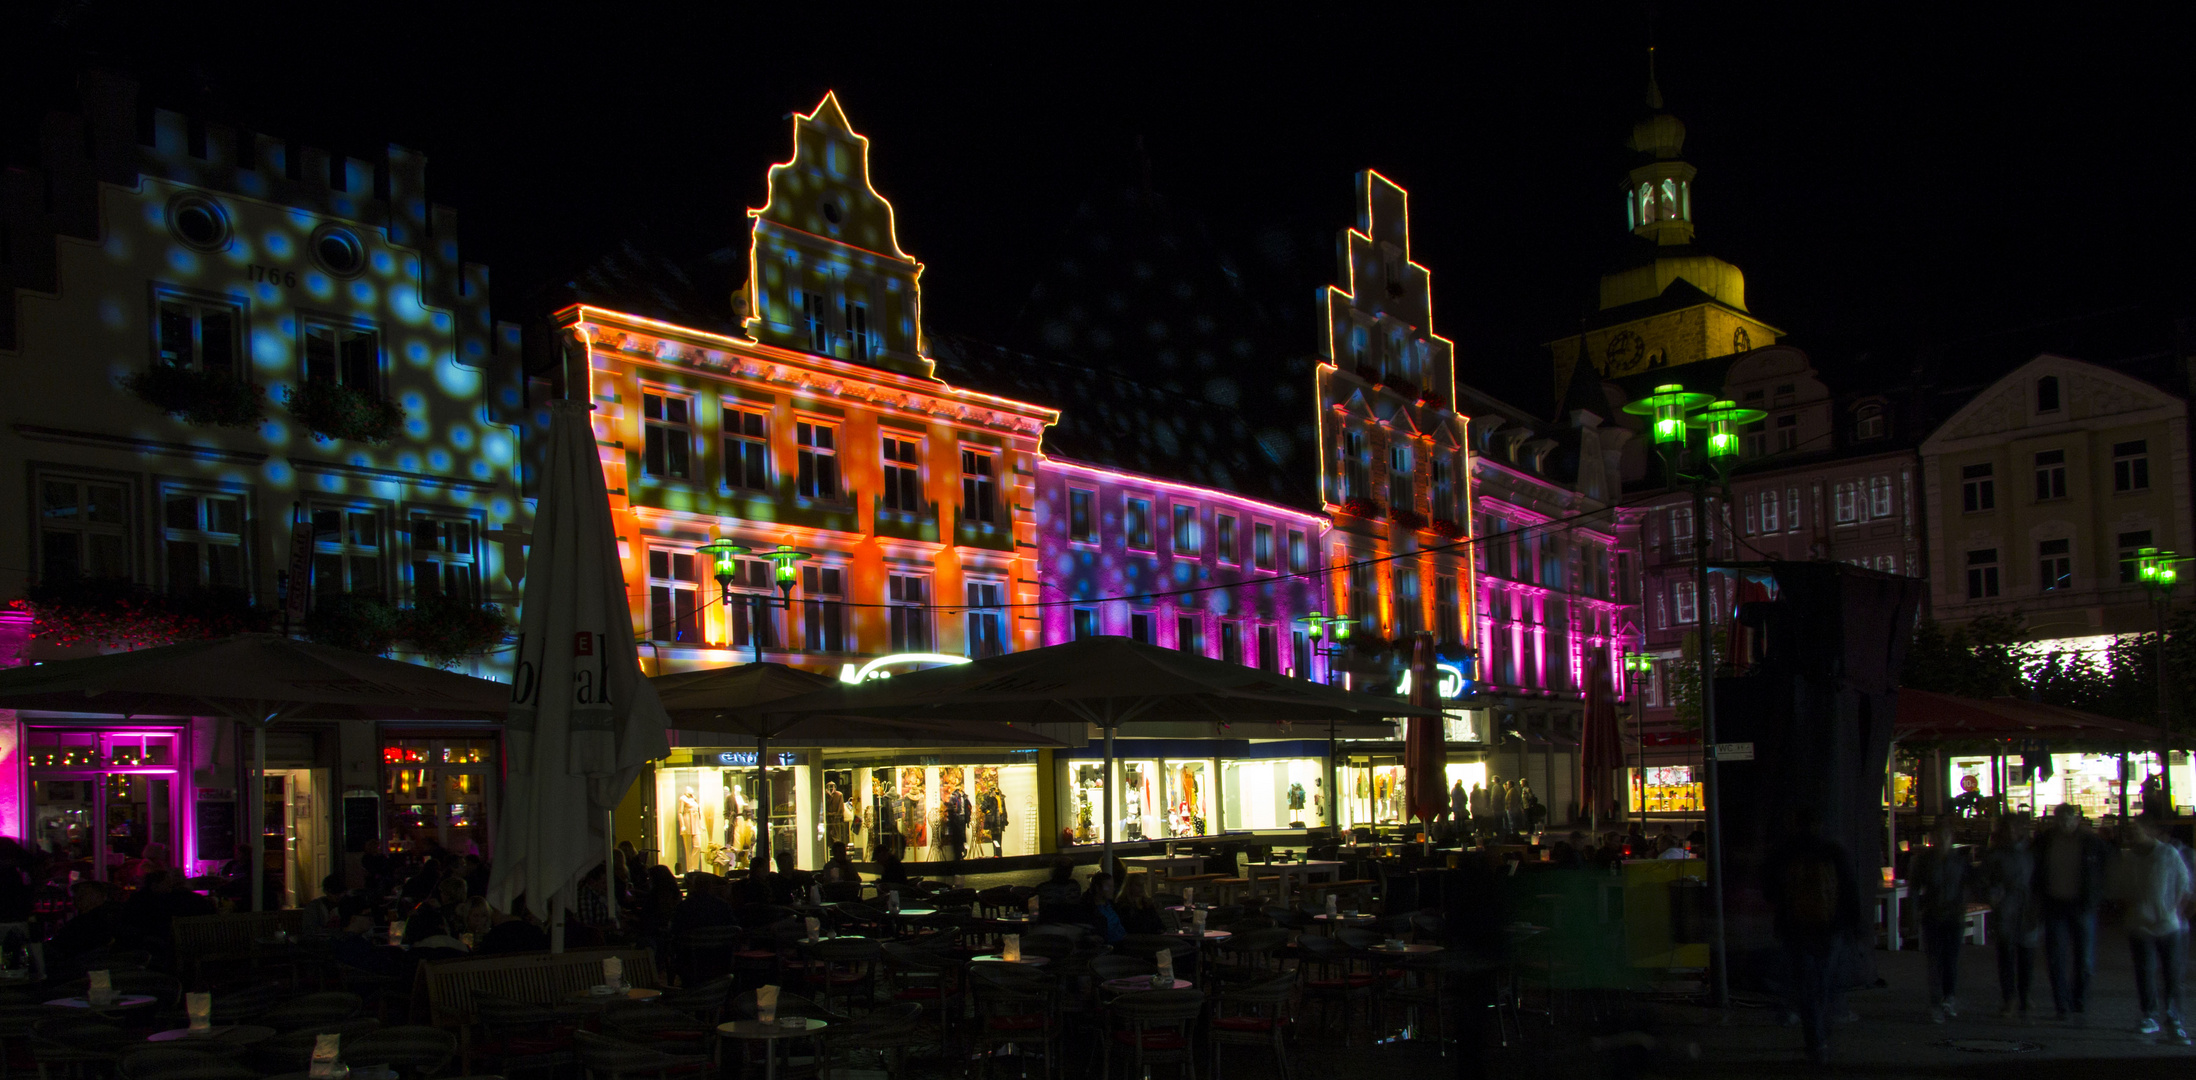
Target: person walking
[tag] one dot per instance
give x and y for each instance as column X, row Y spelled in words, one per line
column 1513, row 807
column 2069, row 884
column 1939, row 875
column 1809, row 884
column 2158, row 886
column 1482, row 798
column 1460, row 810
column 2009, row 882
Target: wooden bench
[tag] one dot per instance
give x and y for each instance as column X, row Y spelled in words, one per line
column 446, row 987
column 1975, row 925
column 201, row 941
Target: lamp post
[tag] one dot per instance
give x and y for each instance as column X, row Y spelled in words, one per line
column 725, row 554
column 2154, row 568
column 1673, row 413
column 1330, row 635
column 1639, row 666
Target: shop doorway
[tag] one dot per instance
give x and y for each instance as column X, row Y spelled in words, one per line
column 295, row 837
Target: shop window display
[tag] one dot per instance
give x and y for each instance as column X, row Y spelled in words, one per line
column 1666, row 789
column 103, row 798
column 438, row 791
column 711, row 809
column 1372, row 793
column 941, row 812
column 1159, row 799
column 1283, row 793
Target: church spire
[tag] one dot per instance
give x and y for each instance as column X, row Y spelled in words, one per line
column 1658, row 194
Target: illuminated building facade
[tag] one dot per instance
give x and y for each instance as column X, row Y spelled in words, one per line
column 807, row 415
column 253, row 382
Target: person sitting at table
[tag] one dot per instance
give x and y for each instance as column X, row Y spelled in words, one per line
column 514, row 932
column 840, row 867
column 322, row 911
column 594, row 901
column 428, row 934
column 891, row 870
column 92, row 927
column 1099, row 903
column 703, row 906
column 422, row 885
column 1058, row 899
column 1139, row 915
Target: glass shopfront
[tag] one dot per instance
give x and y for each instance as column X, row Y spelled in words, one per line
column 1276, row 793
column 710, row 806
column 440, row 791
column 932, row 807
column 108, row 799
column 2090, row 781
column 1665, row 789
column 1372, row 788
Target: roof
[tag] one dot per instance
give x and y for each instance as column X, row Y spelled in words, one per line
column 1926, row 716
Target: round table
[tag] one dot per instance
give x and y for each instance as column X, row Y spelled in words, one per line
column 121, row 1001
column 1135, row 983
column 768, row 1035
column 1186, row 908
column 219, row 1036
column 637, row 993
column 1209, row 935
column 995, row 958
column 1403, row 950
column 910, row 911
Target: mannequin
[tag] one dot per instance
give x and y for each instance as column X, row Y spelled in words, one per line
column 991, row 817
column 956, row 813
column 835, row 830
column 690, row 830
column 743, row 842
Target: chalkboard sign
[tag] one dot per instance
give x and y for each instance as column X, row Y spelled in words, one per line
column 216, row 829
column 361, row 821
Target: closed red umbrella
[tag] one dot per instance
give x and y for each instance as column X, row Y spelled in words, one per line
column 1425, row 751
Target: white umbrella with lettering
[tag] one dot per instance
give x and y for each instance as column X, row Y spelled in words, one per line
column 583, row 722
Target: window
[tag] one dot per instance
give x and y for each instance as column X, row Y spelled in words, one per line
column 1846, row 502
column 1364, row 598
column 1408, row 602
column 1300, row 649
column 1982, row 573
column 1978, row 491
column 2054, row 565
column 908, row 598
column 1269, row 649
column 199, row 336
column 1185, row 530
column 1223, row 538
column 83, row 529
column 1082, row 516
column 1444, row 488
column 1788, row 432
column 1402, row 495
column 443, row 558
column 1299, row 552
column 1137, row 523
column 903, row 478
column 819, row 460
column 1086, row 623
column 1685, row 599
column 674, row 595
column 979, row 487
column 1356, row 467
column 1769, row 511
column 1231, row 641
column 1785, row 392
column 1889, row 564
column 746, row 449
column 1262, row 554
column 202, row 540
column 1448, row 612
column 1756, row 433
column 2050, row 474
column 986, row 619
column 667, row 427
column 344, row 355
column 2047, row 394
column 1791, row 509
column 2131, row 545
column 1879, row 496
column 753, row 578
column 1681, row 530
column 2131, row 465
column 1189, row 633
column 1870, row 423
column 859, row 343
column 813, row 313
column 1140, row 627
column 348, row 552
column 823, row 609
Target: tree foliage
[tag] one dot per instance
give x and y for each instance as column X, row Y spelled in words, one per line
column 1987, row 658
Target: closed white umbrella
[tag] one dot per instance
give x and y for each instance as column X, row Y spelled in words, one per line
column 583, row 722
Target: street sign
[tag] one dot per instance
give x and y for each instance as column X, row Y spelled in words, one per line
column 1734, row 751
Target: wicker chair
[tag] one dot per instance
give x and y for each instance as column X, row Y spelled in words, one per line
column 1153, row 1027
column 79, row 1044
column 249, row 1003
column 164, row 1063
column 414, row 1050
column 1333, row 978
column 889, row 1031
column 1256, row 1014
column 517, row 1036
column 604, row 1058
column 326, row 1007
column 1015, row 1008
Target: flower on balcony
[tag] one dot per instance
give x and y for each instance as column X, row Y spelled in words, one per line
column 1448, row 529
column 208, row 398
column 1404, row 387
column 1411, row 520
column 119, row 614
column 1360, row 506
column 334, row 411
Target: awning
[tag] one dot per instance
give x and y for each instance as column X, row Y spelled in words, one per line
column 1924, row 716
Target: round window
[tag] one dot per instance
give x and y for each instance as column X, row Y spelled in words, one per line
column 831, row 211
column 198, row 221
column 339, row 252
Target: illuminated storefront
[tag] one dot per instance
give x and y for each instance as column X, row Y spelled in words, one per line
column 1665, row 789
column 1272, row 793
column 440, row 790
column 710, row 807
column 932, row 806
column 1372, row 788
column 104, row 796
column 2090, row 781
column 1179, row 789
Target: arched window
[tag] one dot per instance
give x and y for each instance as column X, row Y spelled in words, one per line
column 2047, row 394
column 1870, row 423
column 1685, row 200
column 1670, row 199
column 1646, row 204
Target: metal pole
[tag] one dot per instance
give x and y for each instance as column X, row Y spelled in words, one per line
column 1708, row 739
column 610, row 864
column 763, row 802
column 2165, row 733
column 257, row 805
column 1105, row 806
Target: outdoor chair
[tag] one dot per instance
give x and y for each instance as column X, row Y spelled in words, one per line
column 294, row 1049
column 517, row 1037
column 743, row 1008
column 651, row 1023
column 1255, row 1014
column 889, row 1031
column 1333, row 979
column 162, row 1063
column 326, row 1007
column 1108, row 968
column 845, row 971
column 706, row 1002
column 925, row 977
column 1418, row 992
column 67, row 1044
column 706, row 952
column 1154, row 1027
column 604, row 1058
column 413, row 1051
column 250, row 1003
column 1015, row 1013
column 996, row 901
column 1250, row 956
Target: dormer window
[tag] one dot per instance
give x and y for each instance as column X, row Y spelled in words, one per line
column 2047, row 394
column 1870, row 423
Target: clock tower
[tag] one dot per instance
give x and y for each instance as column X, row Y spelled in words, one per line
column 1666, row 302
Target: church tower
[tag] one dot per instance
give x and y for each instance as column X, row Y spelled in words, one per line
column 1666, row 303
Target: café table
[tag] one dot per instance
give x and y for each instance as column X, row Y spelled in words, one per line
column 1027, row 959
column 1327, row 923
column 220, row 1037
column 770, row 1035
column 121, row 1001
column 1285, row 872
column 1162, row 867
column 1407, row 949
column 635, row 993
column 1135, row 983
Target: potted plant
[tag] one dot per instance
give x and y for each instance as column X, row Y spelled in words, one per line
column 360, row 623
column 334, row 411
column 1360, row 506
column 446, row 630
column 1411, row 520
column 117, row 613
column 209, row 398
column 1448, row 529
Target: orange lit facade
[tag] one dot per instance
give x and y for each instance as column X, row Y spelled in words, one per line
column 820, row 428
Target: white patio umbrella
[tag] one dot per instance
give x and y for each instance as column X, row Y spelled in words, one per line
column 1109, row 682
column 583, row 722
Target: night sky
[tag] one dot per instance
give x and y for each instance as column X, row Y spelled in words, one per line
column 1888, row 180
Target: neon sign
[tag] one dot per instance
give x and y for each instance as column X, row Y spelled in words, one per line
column 746, row 758
column 875, row 668
column 1453, row 682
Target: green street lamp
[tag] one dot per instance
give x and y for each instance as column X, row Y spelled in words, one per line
column 1640, row 666
column 2155, row 571
column 724, row 554
column 1330, row 634
column 1667, row 408
column 1722, row 420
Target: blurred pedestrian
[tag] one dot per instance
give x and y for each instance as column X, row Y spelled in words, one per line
column 1939, row 875
column 1809, row 884
column 2009, row 883
column 2158, row 888
column 2070, row 867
